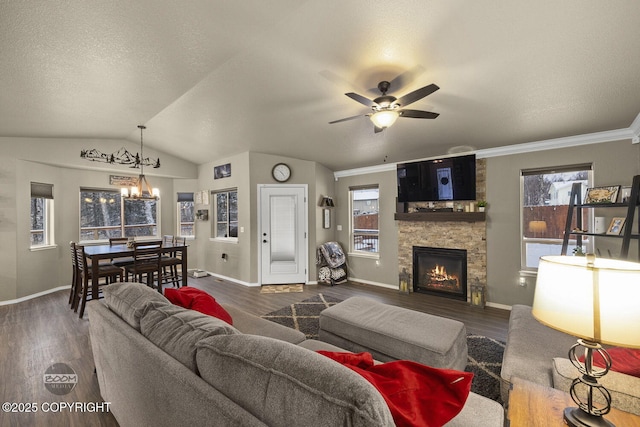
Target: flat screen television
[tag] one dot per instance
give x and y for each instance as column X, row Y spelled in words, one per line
column 452, row 178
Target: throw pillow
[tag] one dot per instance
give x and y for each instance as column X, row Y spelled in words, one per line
column 624, row 360
column 198, row 300
column 417, row 394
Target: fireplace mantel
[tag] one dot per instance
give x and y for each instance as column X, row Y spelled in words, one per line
column 441, row 216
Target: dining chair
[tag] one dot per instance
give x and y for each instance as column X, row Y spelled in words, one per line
column 84, row 279
column 147, row 260
column 74, row 277
column 120, row 262
column 170, row 263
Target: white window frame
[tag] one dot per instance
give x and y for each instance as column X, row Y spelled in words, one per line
column 48, row 230
column 179, row 218
column 588, row 242
column 214, row 222
column 353, row 251
column 123, row 224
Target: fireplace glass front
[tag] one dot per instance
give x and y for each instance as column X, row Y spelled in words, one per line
column 440, row 271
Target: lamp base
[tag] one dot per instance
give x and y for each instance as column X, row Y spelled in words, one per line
column 576, row 417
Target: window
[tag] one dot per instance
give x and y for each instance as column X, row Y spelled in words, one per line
column 41, row 215
column 185, row 215
column 545, row 203
column 226, row 214
column 105, row 214
column 364, row 219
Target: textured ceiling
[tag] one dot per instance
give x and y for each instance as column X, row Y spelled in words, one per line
column 211, row 79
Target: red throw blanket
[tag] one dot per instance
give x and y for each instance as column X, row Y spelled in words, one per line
column 417, row 395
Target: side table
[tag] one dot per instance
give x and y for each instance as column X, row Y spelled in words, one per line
column 534, row 405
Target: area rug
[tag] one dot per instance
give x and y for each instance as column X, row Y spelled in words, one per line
column 484, row 354
column 279, row 289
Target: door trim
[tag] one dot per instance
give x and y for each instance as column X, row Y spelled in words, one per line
column 305, row 255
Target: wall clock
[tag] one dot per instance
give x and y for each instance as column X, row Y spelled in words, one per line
column 281, row 172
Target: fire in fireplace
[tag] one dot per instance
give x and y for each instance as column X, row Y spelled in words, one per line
column 440, row 271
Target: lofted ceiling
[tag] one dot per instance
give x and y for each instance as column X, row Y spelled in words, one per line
column 212, row 79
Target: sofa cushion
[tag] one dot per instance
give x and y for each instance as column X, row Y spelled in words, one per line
column 177, row 330
column 416, row 394
column 624, row 388
column 130, row 300
column 284, row 384
column 198, row 300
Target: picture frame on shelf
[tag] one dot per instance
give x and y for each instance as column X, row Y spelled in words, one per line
column 616, row 226
column 625, row 193
column 602, row 195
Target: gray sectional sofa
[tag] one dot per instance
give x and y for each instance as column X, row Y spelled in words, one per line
column 162, row 365
column 538, row 354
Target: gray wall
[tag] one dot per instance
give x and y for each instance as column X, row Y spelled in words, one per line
column 614, row 163
column 248, row 170
column 384, row 269
column 26, row 272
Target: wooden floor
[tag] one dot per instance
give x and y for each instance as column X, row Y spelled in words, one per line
column 37, row 333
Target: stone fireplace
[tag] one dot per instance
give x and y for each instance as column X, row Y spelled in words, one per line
column 440, row 271
column 442, row 225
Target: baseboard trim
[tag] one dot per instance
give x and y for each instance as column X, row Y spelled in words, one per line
column 369, row 282
column 500, row 306
column 231, row 279
column 36, row 295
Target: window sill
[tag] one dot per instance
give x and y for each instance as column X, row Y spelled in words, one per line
column 224, row 239
column 528, row 273
column 42, row 247
column 364, row 255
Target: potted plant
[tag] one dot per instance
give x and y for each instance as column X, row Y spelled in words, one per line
column 482, row 204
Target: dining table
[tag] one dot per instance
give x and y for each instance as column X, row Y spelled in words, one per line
column 99, row 252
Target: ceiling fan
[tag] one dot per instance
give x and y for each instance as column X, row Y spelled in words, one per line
column 386, row 108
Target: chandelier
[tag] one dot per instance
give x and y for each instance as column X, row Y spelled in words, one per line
column 143, row 190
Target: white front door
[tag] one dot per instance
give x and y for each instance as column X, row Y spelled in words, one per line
column 283, row 234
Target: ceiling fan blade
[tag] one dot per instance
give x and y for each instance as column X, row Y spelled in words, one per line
column 417, row 114
column 416, row 95
column 361, row 99
column 346, row 118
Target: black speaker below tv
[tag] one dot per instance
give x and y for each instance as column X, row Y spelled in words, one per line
column 451, row 178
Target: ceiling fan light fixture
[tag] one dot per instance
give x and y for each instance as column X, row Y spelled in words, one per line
column 385, row 118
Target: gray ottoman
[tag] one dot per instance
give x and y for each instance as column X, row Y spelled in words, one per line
column 393, row 333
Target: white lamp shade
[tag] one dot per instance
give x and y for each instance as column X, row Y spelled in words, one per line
column 598, row 302
column 385, row 118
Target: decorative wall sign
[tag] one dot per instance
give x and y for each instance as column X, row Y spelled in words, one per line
column 222, row 171
column 123, row 181
column 120, row 157
column 201, row 197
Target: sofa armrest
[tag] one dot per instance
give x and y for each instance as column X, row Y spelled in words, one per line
column 624, row 389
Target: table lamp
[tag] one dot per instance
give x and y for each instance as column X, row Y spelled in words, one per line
column 595, row 300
